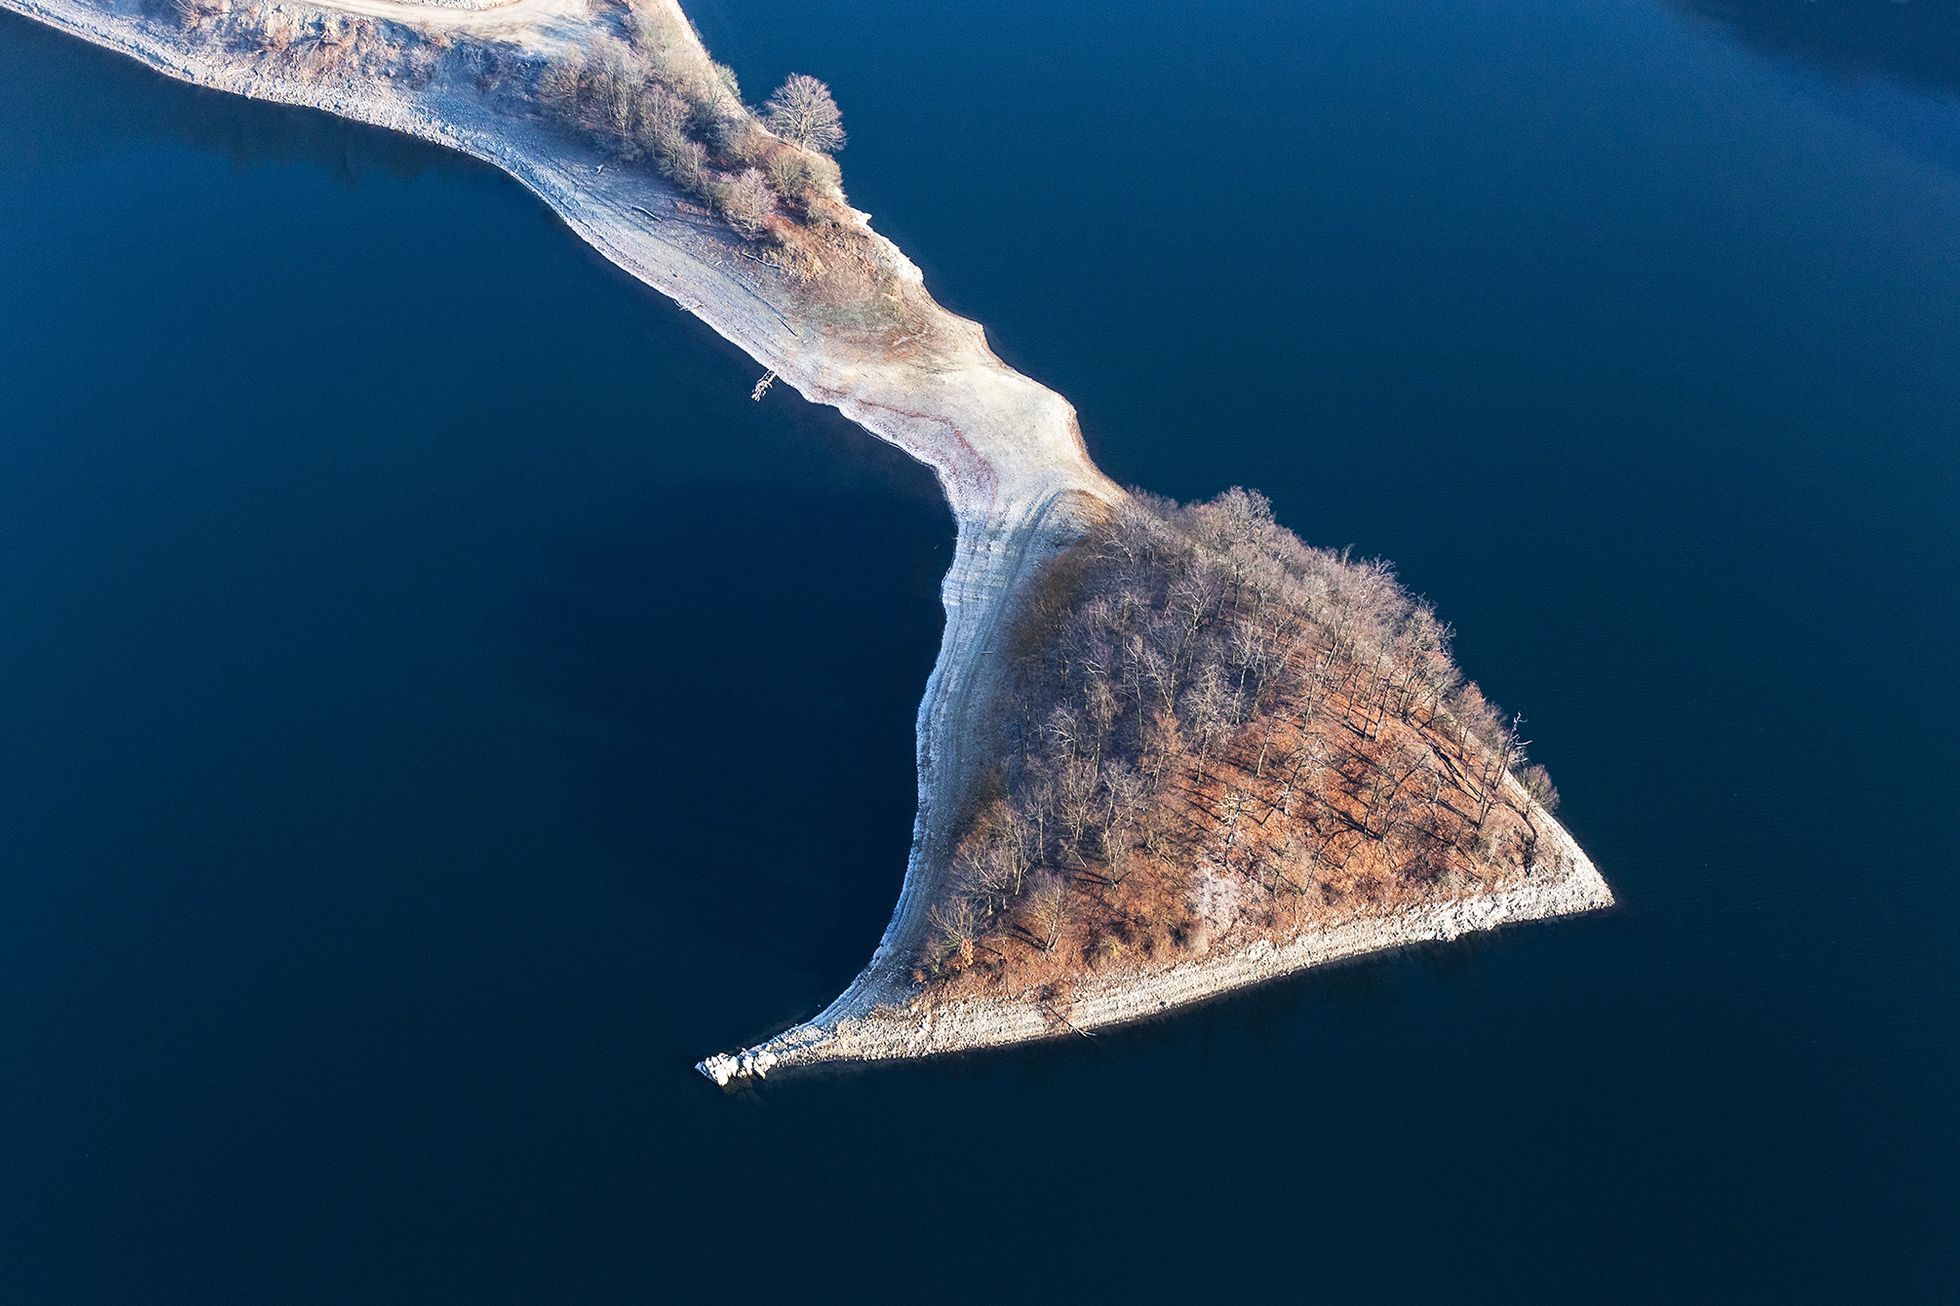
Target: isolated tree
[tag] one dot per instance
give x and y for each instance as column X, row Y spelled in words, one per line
column 802, row 111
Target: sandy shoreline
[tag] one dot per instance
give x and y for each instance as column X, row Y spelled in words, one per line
column 1007, row 453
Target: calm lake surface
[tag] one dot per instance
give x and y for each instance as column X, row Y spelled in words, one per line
column 436, row 706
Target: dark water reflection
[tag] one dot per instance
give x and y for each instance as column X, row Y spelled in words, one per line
column 641, row 628
column 1891, row 68
column 1911, row 42
column 421, row 733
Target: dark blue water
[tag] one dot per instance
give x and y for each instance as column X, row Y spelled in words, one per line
column 435, row 706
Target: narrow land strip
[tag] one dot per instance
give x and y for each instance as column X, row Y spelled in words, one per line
column 1007, row 453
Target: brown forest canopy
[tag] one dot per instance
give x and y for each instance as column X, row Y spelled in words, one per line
column 1213, row 728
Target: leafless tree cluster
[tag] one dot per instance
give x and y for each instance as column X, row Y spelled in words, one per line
column 656, row 100
column 802, row 112
column 653, row 98
column 1200, row 698
column 748, row 201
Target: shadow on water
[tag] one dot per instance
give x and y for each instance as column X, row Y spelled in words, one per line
column 1911, row 42
column 726, row 615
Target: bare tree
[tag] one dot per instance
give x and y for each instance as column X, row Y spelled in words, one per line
column 661, row 124
column 1124, row 792
column 747, row 202
column 1210, row 705
column 987, row 873
column 687, row 164
column 1233, row 805
column 1506, row 751
column 1079, row 807
column 196, row 13
column 790, row 175
column 1389, row 778
column 1047, row 909
column 956, row 930
column 1538, row 787
column 803, row 112
column 1160, row 672
column 613, row 86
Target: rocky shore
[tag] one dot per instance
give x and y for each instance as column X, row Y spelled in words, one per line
column 901, row 1031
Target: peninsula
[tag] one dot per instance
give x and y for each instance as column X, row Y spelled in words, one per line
column 1166, row 751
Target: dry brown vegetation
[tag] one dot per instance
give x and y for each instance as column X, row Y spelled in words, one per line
column 655, row 99
column 645, row 93
column 1215, row 733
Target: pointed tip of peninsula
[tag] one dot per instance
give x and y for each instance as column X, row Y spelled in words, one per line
column 1193, row 755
